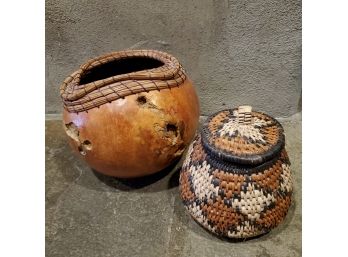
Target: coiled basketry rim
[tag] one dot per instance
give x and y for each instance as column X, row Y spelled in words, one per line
column 78, row 97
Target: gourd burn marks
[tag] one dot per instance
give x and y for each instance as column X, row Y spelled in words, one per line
column 141, row 100
column 72, row 131
column 172, row 128
column 174, row 133
column 168, row 129
column 144, row 102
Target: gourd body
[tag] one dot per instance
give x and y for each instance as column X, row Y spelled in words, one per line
column 138, row 134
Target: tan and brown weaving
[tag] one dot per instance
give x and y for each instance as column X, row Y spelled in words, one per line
column 236, row 180
column 80, row 94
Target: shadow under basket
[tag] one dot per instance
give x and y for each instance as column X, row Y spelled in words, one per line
column 236, row 180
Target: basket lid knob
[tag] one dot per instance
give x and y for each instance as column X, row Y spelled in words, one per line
column 243, row 114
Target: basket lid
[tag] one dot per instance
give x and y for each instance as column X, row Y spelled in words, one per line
column 242, row 136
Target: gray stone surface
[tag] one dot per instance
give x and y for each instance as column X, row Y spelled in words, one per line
column 237, row 52
column 88, row 214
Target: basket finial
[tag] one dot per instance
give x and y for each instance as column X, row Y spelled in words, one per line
column 244, row 114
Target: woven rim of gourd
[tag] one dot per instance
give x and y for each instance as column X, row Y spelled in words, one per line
column 78, row 98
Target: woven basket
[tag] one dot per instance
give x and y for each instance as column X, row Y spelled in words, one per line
column 236, row 179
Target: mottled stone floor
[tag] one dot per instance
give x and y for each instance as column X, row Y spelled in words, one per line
column 88, row 214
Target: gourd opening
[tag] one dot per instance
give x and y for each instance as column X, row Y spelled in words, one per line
column 118, row 67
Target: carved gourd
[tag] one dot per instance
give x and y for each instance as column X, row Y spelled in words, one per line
column 130, row 113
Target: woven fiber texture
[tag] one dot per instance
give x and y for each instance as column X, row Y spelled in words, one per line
column 232, row 199
column 253, row 138
column 78, row 96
